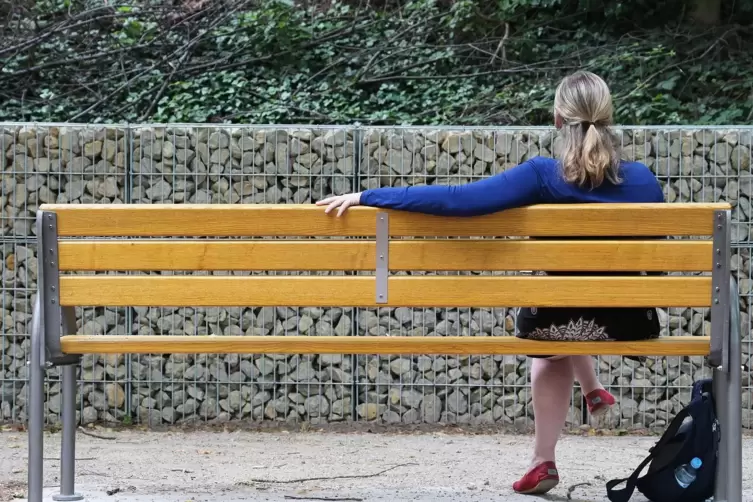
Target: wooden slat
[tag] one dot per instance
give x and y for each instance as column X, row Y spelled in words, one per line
column 443, row 291
column 212, row 255
column 665, row 346
column 647, row 255
column 90, row 220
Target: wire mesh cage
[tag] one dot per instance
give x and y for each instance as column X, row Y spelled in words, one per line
column 217, row 164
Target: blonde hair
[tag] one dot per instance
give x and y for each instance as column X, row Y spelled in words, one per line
column 589, row 153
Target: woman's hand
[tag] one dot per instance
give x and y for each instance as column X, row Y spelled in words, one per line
column 342, row 201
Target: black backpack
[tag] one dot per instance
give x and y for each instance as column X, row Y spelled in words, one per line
column 683, row 440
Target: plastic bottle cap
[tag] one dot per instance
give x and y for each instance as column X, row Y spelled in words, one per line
column 696, row 463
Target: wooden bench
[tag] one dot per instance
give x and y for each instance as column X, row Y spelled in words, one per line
column 129, row 238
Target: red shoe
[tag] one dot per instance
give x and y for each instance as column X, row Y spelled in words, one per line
column 599, row 402
column 538, row 480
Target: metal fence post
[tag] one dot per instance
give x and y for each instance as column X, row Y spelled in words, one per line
column 128, row 188
column 358, row 153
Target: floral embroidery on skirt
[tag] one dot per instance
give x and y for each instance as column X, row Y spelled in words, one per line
column 577, row 331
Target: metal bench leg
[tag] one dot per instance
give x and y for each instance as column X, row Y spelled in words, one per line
column 721, row 389
column 35, row 406
column 68, row 447
column 728, row 397
column 732, row 426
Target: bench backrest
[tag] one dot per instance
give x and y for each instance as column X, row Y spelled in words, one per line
column 619, row 238
column 70, row 240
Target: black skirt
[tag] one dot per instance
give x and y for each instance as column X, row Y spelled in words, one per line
column 588, row 324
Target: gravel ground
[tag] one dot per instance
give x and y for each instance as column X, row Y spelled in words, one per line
column 439, row 465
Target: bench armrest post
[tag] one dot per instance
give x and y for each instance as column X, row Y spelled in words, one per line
column 720, row 292
column 53, row 317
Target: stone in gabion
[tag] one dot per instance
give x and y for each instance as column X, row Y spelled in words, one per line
column 288, row 165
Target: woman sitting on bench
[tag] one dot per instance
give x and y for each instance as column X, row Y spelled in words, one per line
column 588, row 170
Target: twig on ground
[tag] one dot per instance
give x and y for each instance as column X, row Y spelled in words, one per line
column 321, row 478
column 573, row 487
column 91, row 473
column 293, row 497
column 91, row 434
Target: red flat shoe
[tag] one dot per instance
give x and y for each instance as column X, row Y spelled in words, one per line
column 599, row 402
column 538, row 480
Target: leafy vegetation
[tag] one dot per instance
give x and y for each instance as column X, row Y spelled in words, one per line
column 475, row 62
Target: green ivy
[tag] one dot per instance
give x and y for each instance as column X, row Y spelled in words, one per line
column 469, row 62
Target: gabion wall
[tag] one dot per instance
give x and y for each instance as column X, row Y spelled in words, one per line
column 282, row 164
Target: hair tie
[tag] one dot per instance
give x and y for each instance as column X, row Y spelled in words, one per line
column 582, row 123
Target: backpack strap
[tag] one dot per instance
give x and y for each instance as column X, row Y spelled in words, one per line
column 706, row 416
column 624, row 494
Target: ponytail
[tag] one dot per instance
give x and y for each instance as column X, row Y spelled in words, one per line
column 589, row 154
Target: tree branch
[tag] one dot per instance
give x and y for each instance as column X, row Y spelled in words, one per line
column 165, row 83
column 501, row 46
column 65, row 25
column 238, row 5
column 322, row 478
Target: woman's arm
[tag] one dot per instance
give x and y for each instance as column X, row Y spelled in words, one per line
column 516, row 187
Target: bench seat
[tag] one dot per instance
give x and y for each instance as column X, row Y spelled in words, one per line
column 497, row 345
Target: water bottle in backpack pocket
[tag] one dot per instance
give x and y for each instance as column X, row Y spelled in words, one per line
column 686, row 473
column 682, row 464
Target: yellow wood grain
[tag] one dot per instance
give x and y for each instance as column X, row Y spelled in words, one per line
column 586, row 256
column 427, row 255
column 404, row 291
column 124, row 255
column 664, row 346
column 309, row 220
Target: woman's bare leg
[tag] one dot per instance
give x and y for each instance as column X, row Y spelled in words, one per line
column 552, row 382
column 585, row 373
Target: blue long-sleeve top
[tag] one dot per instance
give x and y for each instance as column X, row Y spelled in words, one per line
column 538, row 180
